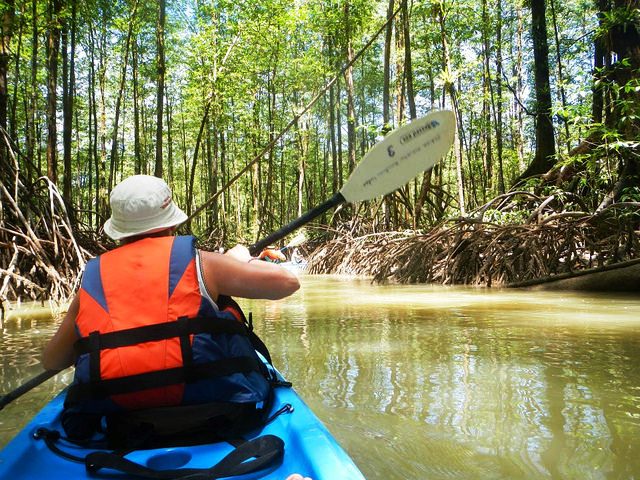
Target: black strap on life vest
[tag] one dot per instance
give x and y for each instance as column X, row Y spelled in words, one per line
column 160, row 331
column 228, row 304
column 161, row 378
column 189, row 372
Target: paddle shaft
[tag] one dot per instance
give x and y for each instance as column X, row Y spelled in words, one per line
column 279, row 234
column 25, row 387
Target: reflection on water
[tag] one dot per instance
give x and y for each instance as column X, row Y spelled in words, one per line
column 21, row 341
column 422, row 382
column 430, row 382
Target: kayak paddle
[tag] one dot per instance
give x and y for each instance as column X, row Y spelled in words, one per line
column 25, row 387
column 390, row 164
column 295, row 241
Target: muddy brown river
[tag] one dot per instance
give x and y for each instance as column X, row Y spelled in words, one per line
column 430, row 382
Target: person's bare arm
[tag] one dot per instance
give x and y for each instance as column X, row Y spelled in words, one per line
column 58, row 353
column 233, row 274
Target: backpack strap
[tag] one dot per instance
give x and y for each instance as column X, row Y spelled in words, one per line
column 251, row 456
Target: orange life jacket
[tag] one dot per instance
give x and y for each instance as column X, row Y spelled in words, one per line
column 149, row 338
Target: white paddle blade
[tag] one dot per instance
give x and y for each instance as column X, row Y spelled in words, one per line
column 299, row 239
column 403, row 154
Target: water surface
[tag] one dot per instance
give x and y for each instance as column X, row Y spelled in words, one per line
column 430, row 382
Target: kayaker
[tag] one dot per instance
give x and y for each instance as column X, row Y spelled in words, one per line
column 272, row 254
column 152, row 278
column 296, row 257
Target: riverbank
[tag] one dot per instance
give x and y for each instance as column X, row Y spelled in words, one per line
column 536, row 248
column 476, row 252
column 15, row 311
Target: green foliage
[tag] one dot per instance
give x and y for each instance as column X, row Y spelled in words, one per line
column 621, row 16
column 631, row 194
column 510, row 217
column 254, row 66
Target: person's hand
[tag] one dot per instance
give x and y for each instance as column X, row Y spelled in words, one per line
column 272, row 255
column 239, row 252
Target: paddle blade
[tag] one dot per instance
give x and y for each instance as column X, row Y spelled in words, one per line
column 403, row 154
column 296, row 241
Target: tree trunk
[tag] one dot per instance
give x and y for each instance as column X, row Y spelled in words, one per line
column 269, row 196
column 6, row 32
column 561, row 90
column 518, row 130
column 401, row 100
column 169, row 118
column 303, row 137
column 13, row 127
column 213, row 173
column 408, row 64
column 498, row 107
column 66, row 121
column 225, row 198
column 544, row 157
column 160, row 91
column 339, row 130
column 426, row 176
column 69, row 88
column 387, row 125
column 33, row 93
column 332, row 139
column 411, row 100
column 348, row 77
column 450, row 89
column 113, row 163
column 102, row 82
column 486, row 107
column 620, row 79
column 386, row 69
column 93, row 120
column 194, row 162
column 599, row 53
column 136, row 111
column 53, row 47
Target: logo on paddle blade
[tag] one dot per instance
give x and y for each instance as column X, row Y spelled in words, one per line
column 419, row 131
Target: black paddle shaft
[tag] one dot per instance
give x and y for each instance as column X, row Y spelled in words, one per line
column 25, row 387
column 334, row 201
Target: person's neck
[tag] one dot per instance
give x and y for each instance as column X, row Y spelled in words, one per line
column 167, row 232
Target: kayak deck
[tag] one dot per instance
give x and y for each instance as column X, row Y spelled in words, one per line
column 309, row 449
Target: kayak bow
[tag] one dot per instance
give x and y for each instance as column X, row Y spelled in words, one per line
column 309, row 449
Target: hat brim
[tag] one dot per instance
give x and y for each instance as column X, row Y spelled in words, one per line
column 115, row 232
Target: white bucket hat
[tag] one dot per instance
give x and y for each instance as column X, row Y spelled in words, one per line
column 141, row 204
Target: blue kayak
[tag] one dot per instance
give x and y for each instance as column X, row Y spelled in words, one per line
column 309, row 449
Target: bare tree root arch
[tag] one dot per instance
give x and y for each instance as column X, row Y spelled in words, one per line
column 40, row 258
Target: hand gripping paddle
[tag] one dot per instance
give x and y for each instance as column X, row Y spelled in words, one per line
column 390, row 164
